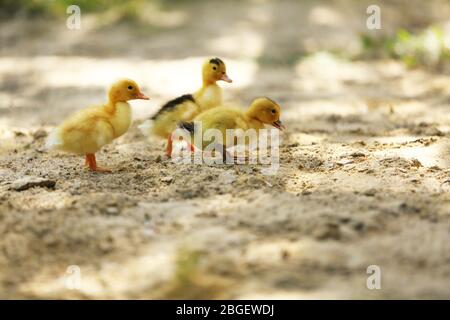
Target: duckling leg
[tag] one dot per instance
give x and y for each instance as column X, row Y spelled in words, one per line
column 92, row 163
column 87, row 160
column 169, row 146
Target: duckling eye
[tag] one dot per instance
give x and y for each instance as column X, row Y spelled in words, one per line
column 214, row 68
column 130, row 87
column 274, row 111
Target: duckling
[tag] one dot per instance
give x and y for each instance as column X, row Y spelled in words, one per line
column 261, row 111
column 186, row 107
column 88, row 130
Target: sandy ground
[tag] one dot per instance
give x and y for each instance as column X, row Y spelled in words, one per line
column 363, row 179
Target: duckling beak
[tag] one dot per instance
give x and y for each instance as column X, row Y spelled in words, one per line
column 225, row 78
column 277, row 124
column 141, row 96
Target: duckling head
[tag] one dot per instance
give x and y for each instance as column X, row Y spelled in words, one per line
column 267, row 111
column 214, row 69
column 124, row 90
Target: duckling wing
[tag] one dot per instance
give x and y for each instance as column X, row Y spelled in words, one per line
column 241, row 123
column 85, row 132
column 173, row 104
column 221, row 118
column 183, row 108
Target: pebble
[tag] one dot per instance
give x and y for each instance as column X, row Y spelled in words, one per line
column 167, row 179
column 344, row 162
column 39, row 134
column 112, row 210
column 357, row 155
column 31, row 182
column 370, row 192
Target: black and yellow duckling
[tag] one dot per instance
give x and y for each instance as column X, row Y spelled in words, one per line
column 261, row 111
column 188, row 106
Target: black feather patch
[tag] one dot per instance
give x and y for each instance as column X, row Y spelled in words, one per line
column 216, row 61
column 189, row 126
column 172, row 104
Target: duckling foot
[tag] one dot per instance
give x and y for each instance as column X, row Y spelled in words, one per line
column 102, row 170
column 92, row 163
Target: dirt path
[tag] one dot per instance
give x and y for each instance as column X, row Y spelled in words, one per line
column 363, row 179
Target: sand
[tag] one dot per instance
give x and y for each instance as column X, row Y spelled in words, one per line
column 363, row 178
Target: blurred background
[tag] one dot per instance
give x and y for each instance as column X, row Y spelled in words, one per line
column 364, row 162
column 279, row 48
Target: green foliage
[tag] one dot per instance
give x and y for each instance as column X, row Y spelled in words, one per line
column 8, row 7
column 425, row 48
column 56, row 8
column 191, row 280
column 186, row 266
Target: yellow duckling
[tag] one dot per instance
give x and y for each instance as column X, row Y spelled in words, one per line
column 88, row 130
column 186, row 107
column 261, row 111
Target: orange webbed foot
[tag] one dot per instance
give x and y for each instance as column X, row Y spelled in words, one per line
column 92, row 163
column 101, row 170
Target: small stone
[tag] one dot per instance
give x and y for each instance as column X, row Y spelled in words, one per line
column 357, row 154
column 112, row 211
column 327, row 231
column 139, row 166
column 370, row 192
column 416, row 163
column 344, row 162
column 31, row 182
column 39, row 134
column 167, row 179
column 358, row 226
column 329, row 165
column 434, row 132
column 254, row 181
